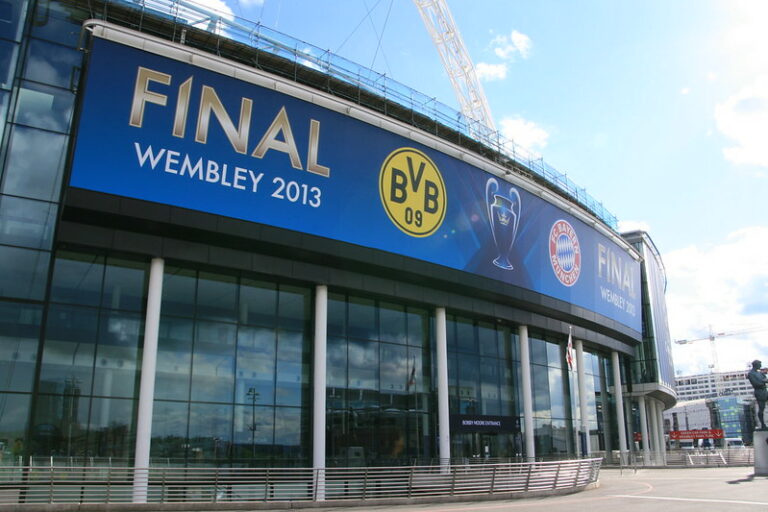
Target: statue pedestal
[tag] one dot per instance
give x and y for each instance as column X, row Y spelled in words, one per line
column 761, row 452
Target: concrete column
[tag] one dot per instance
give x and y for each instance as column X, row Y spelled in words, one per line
column 525, row 374
column 653, row 414
column 319, row 387
column 443, row 412
column 662, row 441
column 583, row 405
column 147, row 383
column 644, row 429
column 617, row 392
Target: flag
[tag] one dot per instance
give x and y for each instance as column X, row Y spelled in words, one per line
column 569, row 351
column 412, row 379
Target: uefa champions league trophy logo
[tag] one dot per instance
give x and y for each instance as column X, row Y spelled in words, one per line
column 504, row 216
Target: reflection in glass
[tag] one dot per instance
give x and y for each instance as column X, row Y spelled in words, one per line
column 53, row 64
column 178, row 292
column 110, row 429
column 117, row 354
column 26, row 222
column 77, row 278
column 337, row 314
column 8, row 54
column 362, row 318
column 42, row 106
column 20, row 328
column 14, row 414
column 30, row 172
column 394, row 368
column 59, row 21
column 255, row 364
column 24, row 273
column 254, row 433
column 69, row 349
column 60, row 424
column 124, row 282
column 213, row 363
column 258, row 303
column 393, row 322
column 174, row 358
column 293, row 307
column 217, row 297
column 210, row 427
column 291, row 436
column 169, row 431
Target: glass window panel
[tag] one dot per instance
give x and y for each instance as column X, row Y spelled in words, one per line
column 41, row 106
column 13, row 427
column 210, row 432
column 540, row 384
column 255, row 364
column 292, row 370
column 418, row 371
column 336, row 363
column 61, row 424
column 363, row 357
column 111, row 429
column 362, row 318
column 4, row 99
column 117, row 354
column 489, row 387
column 395, row 368
column 23, row 273
column 19, row 339
column 290, row 433
column 469, row 384
column 8, row 53
column 124, row 283
column 293, row 307
column 418, row 327
column 254, row 433
column 465, row 335
column 486, row 335
column 508, row 406
column 217, row 297
column 69, row 349
column 337, row 314
column 553, row 354
column 59, row 21
column 53, row 64
column 179, row 292
column 30, row 172
column 12, row 15
column 77, row 278
column 169, row 431
column 556, row 393
column 450, row 333
column 213, row 363
column 26, row 222
column 174, row 358
column 258, row 303
column 538, row 351
column 561, row 441
column 393, row 322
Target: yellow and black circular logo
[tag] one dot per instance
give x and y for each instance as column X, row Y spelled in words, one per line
column 412, row 192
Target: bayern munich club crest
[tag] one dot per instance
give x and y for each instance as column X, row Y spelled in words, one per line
column 565, row 252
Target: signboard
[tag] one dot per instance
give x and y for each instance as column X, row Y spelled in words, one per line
column 161, row 130
column 715, row 433
column 483, row 423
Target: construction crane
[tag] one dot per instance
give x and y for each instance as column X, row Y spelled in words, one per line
column 715, row 365
column 458, row 64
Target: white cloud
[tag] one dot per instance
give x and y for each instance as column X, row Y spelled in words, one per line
column 724, row 286
column 627, row 226
column 685, row 90
column 508, row 47
column 524, row 133
column 743, row 118
column 490, row 72
column 251, row 3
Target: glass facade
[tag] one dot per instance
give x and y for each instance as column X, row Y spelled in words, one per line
column 234, row 363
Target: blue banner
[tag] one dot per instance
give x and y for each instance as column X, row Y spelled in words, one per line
column 161, row 130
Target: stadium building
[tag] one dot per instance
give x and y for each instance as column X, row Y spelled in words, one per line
column 219, row 250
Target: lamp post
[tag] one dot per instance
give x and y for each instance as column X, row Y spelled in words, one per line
column 254, row 395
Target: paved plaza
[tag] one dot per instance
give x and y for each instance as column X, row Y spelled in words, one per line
column 647, row 490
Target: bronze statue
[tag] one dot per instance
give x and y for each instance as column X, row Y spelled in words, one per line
column 758, row 380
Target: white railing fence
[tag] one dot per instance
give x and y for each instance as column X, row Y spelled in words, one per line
column 60, row 485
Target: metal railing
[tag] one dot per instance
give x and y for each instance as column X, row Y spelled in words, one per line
column 40, row 485
column 227, row 25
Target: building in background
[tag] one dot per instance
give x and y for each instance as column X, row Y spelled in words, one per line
column 733, row 415
column 309, row 263
column 734, row 383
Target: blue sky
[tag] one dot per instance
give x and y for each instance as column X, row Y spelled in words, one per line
column 658, row 107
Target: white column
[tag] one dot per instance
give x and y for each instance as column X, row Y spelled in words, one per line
column 319, row 387
column 525, row 373
column 617, row 392
column 147, row 384
column 662, row 443
column 653, row 421
column 443, row 417
column 644, row 429
column 583, row 407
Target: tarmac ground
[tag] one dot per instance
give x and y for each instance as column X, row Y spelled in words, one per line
column 646, row 490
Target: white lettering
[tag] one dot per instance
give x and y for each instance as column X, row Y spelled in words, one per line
column 153, row 158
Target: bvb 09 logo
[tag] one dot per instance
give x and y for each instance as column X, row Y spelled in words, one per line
column 412, row 192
